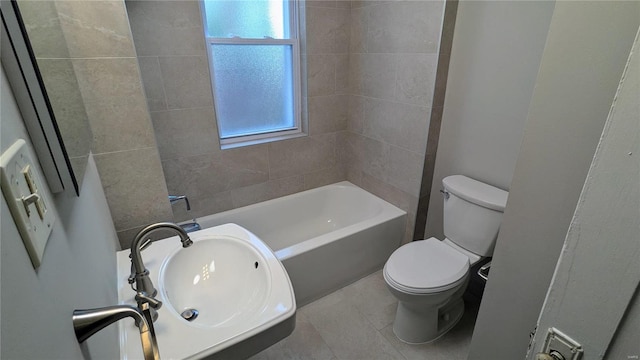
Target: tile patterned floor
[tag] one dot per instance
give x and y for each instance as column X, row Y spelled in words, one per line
column 356, row 322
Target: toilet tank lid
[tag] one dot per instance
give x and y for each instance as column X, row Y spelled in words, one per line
column 476, row 192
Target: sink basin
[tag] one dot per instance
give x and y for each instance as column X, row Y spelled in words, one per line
column 225, row 292
column 224, row 279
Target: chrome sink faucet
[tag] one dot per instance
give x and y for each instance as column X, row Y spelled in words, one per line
column 140, row 274
column 89, row 321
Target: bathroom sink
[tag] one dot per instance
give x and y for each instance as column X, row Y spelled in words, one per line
column 227, row 291
column 222, row 279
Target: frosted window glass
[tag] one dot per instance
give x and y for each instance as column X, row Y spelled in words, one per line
column 253, row 19
column 254, row 88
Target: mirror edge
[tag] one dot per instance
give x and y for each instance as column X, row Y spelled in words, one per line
column 24, row 77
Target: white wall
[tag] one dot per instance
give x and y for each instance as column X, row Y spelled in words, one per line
column 496, row 53
column 602, row 248
column 584, row 56
column 78, row 269
column 626, row 341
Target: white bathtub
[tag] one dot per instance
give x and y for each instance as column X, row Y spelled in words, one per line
column 326, row 237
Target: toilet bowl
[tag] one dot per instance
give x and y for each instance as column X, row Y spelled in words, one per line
column 429, row 277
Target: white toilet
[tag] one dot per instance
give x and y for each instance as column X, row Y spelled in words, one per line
column 429, row 276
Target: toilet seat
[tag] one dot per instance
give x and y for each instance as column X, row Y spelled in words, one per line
column 426, row 266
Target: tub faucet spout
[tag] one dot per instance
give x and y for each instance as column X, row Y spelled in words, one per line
column 175, row 198
column 141, row 274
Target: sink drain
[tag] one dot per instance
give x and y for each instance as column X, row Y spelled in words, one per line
column 190, row 314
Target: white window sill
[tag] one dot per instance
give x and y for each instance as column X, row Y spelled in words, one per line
column 261, row 141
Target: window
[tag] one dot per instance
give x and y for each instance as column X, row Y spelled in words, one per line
column 254, row 57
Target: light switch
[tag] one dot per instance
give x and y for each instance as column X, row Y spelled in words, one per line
column 27, row 200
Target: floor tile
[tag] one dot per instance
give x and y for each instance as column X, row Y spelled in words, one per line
column 347, row 332
column 304, row 343
column 356, row 322
column 372, row 299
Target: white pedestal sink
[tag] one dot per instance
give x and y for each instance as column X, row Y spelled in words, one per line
column 239, row 289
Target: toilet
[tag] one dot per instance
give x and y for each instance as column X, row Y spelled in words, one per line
column 429, row 277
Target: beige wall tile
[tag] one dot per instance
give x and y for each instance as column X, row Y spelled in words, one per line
column 346, row 4
column 358, row 29
column 187, row 82
column 266, row 191
column 364, row 3
column 142, row 198
column 355, row 122
column 379, row 72
column 405, row 27
column 152, row 82
column 185, row 132
column 373, row 75
column 375, row 160
column 356, row 73
column 321, row 3
column 327, row 30
column 120, row 124
column 115, row 103
column 301, row 155
column 43, row 27
column 343, row 30
column 164, row 28
column 350, row 150
column 327, row 114
column 405, row 170
column 325, row 177
column 96, row 28
column 371, row 156
column 321, row 74
column 415, row 78
column 108, row 78
column 209, row 174
column 342, row 73
column 398, row 124
column 68, row 106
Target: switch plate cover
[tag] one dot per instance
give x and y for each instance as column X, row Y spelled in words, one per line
column 558, row 341
column 27, row 199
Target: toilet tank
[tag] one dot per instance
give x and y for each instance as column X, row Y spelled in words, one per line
column 472, row 213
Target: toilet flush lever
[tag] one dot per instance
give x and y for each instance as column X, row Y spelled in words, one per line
column 445, row 193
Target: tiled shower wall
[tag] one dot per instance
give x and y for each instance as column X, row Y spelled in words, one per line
column 371, row 73
column 171, row 52
column 393, row 61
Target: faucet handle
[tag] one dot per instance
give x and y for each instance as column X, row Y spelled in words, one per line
column 143, row 297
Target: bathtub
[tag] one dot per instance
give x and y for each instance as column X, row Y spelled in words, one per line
column 326, row 237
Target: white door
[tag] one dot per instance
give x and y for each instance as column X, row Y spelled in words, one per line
column 593, row 295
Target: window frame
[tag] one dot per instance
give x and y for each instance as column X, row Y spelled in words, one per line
column 299, row 128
